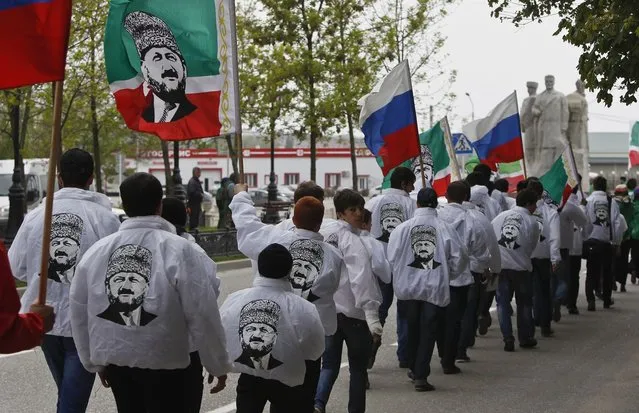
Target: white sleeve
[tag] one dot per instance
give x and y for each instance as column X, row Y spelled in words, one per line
column 381, row 266
column 252, row 234
column 457, row 255
column 326, row 285
column 20, row 251
column 394, row 248
column 493, row 247
column 199, row 303
column 479, row 250
column 555, row 237
column 360, row 275
column 310, row 332
column 576, row 215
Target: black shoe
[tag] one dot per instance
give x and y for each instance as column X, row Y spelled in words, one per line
column 573, row 310
column 509, row 346
column 472, row 342
column 530, row 343
column 547, row 332
column 376, row 345
column 556, row 315
column 462, row 358
column 423, row 385
column 633, row 278
column 451, row 370
column 623, row 289
column 484, row 323
column 591, row 306
column 608, row 304
column 614, row 287
column 410, row 375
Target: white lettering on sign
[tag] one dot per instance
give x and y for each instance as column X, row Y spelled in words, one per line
column 300, row 152
column 246, row 153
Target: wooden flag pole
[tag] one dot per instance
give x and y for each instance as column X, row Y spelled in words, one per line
column 523, row 152
column 48, row 208
column 448, row 140
column 573, row 165
column 236, row 90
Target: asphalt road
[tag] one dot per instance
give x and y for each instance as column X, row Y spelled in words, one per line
column 592, row 365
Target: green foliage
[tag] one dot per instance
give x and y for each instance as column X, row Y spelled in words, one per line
column 606, row 31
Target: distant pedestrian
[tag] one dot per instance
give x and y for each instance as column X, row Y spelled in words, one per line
column 222, row 201
column 195, row 196
column 174, row 211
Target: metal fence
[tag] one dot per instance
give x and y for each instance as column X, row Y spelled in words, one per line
column 218, row 243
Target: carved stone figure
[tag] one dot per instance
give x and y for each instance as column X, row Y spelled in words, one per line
column 527, row 119
column 578, row 127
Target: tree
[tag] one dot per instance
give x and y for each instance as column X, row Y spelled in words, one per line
column 607, row 32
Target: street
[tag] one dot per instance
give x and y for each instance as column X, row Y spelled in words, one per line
column 592, row 365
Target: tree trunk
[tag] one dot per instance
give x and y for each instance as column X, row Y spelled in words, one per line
column 95, row 131
column 351, row 136
column 232, row 153
column 167, row 168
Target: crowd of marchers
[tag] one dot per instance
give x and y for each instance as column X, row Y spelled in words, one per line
column 137, row 302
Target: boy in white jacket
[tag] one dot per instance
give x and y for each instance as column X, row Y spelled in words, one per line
column 273, row 334
column 142, row 297
column 426, row 255
column 357, row 300
column 518, row 235
column 80, row 218
column 307, row 188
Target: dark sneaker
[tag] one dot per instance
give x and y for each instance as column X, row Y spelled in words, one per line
column 530, row 343
column 547, row 332
column 423, row 385
column 623, row 289
column 614, row 287
column 509, row 346
column 411, row 375
column 451, row 370
column 484, row 323
column 591, row 306
column 573, row 310
column 556, row 315
column 376, row 345
column 462, row 358
column 608, row 304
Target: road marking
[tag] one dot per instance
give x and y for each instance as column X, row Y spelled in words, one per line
column 16, row 354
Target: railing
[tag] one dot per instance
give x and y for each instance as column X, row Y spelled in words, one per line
column 218, row 243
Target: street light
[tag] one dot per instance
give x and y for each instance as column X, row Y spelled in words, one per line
column 472, row 105
column 16, row 191
column 272, row 215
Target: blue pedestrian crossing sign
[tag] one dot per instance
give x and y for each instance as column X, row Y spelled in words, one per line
column 462, row 144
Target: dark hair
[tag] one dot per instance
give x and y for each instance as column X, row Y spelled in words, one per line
column 367, row 217
column 521, row 185
column 141, row 194
column 526, row 198
column 427, row 198
column 599, row 183
column 76, row 168
column 401, row 175
column 631, row 184
column 174, row 211
column 475, row 178
column 233, row 177
column 536, row 186
column 196, row 168
column 458, row 192
column 502, row 185
column 275, row 261
column 484, row 170
column 347, row 198
column 308, row 188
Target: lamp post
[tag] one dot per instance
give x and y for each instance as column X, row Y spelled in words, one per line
column 472, row 106
column 16, row 191
column 272, row 216
column 178, row 188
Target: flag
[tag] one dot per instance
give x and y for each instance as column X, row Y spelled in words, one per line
column 560, row 179
column 437, row 164
column 171, row 68
column 633, row 150
column 34, row 36
column 497, row 137
column 513, row 172
column 388, row 119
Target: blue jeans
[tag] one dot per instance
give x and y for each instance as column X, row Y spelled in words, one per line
column 542, row 296
column 359, row 343
column 519, row 284
column 73, row 381
column 425, row 323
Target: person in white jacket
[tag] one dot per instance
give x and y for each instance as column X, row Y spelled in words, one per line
column 357, row 300
column 601, row 242
column 426, row 256
column 480, row 196
column 307, row 188
column 501, row 187
column 388, row 210
column 141, row 298
column 575, row 251
column 273, row 335
column 80, row 218
column 518, row 233
column 546, row 259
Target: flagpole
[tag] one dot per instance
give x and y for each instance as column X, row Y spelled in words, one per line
column 48, row 208
column 573, row 165
column 419, row 144
column 521, row 135
column 236, row 87
column 448, row 140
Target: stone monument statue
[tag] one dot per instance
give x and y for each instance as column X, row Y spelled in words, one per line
column 527, row 119
column 578, row 128
column 550, row 119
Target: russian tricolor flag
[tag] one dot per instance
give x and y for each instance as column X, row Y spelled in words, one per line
column 34, row 36
column 497, row 137
column 388, row 119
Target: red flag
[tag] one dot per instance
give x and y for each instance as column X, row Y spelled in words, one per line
column 34, row 36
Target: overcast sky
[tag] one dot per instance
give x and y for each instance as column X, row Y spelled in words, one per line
column 494, row 58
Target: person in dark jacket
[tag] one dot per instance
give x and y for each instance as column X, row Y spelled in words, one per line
column 195, row 195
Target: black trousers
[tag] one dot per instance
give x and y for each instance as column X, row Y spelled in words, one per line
column 448, row 338
column 469, row 320
column 253, row 393
column 542, row 297
column 621, row 262
column 573, row 281
column 157, row 391
column 194, row 218
column 599, row 267
column 425, row 324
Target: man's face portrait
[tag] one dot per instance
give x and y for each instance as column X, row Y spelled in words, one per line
column 258, row 339
column 127, row 290
column 165, row 73
column 424, row 250
column 601, row 214
column 428, row 172
column 63, row 252
column 303, row 274
column 390, row 223
column 510, row 232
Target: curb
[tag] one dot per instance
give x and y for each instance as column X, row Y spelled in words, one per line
column 233, row 265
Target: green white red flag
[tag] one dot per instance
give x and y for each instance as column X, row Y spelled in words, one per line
column 560, row 179
column 513, row 172
column 633, row 150
column 170, row 66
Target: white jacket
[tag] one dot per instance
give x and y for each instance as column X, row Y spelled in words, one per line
column 500, row 197
column 358, row 295
column 80, row 219
column 517, row 232
column 288, row 224
column 549, row 237
column 388, row 210
column 487, row 205
column 316, row 264
column 286, row 328
column 426, row 255
column 571, row 217
column 470, row 235
column 377, row 251
column 176, row 283
column 494, row 263
column 601, row 217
